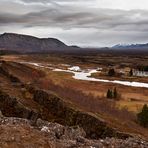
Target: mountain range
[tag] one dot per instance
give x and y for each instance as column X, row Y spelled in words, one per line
column 131, row 46
column 11, row 42
column 26, row 43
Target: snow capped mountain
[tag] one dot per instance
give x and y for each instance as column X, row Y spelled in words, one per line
column 131, row 46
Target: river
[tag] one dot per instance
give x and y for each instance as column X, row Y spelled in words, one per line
column 85, row 75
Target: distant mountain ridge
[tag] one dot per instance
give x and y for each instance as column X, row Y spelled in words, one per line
column 131, row 46
column 26, row 43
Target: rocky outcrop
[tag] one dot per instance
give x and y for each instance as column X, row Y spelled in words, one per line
column 4, row 71
column 65, row 114
column 55, row 109
column 16, row 132
column 11, row 107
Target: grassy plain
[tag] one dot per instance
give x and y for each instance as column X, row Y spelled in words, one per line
column 90, row 96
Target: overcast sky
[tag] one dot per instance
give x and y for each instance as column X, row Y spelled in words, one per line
column 78, row 22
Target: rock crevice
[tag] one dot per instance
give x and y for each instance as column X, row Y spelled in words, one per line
column 94, row 127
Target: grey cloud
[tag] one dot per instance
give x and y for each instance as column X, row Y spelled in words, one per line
column 52, row 1
column 35, row 1
column 74, row 18
column 97, row 24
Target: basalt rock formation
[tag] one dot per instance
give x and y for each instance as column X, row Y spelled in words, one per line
column 65, row 114
column 18, row 133
column 53, row 108
column 11, row 107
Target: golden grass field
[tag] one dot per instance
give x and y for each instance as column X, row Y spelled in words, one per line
column 132, row 98
column 87, row 95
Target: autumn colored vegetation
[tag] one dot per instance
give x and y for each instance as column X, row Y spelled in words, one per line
column 89, row 102
column 143, row 116
column 113, row 94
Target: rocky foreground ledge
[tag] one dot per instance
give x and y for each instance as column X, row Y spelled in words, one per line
column 18, row 133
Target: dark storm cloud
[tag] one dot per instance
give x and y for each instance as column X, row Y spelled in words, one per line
column 74, row 18
column 97, row 23
column 35, row 1
column 48, row 1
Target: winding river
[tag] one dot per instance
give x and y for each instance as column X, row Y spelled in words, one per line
column 85, row 75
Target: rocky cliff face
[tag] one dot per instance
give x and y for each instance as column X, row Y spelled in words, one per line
column 16, row 132
column 63, row 113
column 53, row 108
column 25, row 43
column 11, row 107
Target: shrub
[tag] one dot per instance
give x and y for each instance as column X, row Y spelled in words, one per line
column 109, row 94
column 143, row 116
column 112, row 94
column 111, row 72
column 131, row 72
column 143, row 68
column 115, row 94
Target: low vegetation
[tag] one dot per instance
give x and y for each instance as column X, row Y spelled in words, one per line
column 77, row 92
column 143, row 68
column 143, row 116
column 89, row 102
column 112, row 94
column 131, row 72
column 111, row 72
